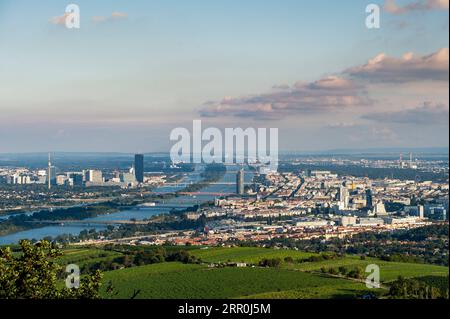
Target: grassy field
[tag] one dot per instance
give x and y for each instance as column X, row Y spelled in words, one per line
column 245, row 254
column 389, row 270
column 174, row 280
column 290, row 280
column 86, row 255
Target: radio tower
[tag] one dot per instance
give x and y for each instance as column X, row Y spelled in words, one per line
column 49, row 173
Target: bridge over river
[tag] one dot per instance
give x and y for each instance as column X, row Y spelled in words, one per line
column 214, row 194
column 184, row 184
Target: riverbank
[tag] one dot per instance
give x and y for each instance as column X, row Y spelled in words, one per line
column 24, row 222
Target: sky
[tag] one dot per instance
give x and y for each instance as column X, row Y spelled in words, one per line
column 136, row 70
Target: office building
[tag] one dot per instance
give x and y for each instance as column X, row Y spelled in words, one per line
column 436, row 212
column 418, row 211
column 344, row 197
column 348, row 221
column 380, row 209
column 51, row 176
column 76, row 178
column 61, row 180
column 369, row 198
column 139, row 167
column 94, row 176
column 18, row 179
column 127, row 178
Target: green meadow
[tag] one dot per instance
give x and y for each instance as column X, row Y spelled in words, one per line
column 245, row 254
column 179, row 281
column 388, row 270
column 291, row 280
column 86, row 256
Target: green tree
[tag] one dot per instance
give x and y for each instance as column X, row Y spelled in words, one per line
column 343, row 270
column 289, row 260
column 357, row 273
column 413, row 289
column 274, row 262
column 33, row 274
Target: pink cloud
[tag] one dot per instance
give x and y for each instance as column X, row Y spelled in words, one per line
column 114, row 16
column 59, row 20
column 329, row 93
column 409, row 67
column 391, row 6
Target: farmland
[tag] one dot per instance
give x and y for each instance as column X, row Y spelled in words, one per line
column 179, row 281
column 245, row 254
column 389, row 270
column 294, row 278
column 85, row 256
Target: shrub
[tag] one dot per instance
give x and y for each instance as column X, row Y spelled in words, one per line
column 274, row 262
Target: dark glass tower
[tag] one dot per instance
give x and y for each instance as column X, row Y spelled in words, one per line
column 369, row 198
column 139, row 167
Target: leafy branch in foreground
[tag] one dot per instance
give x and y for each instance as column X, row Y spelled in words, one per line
column 33, row 274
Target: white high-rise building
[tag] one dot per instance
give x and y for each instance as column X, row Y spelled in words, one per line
column 344, row 197
column 128, row 178
column 421, row 212
column 379, row 209
column 94, row 176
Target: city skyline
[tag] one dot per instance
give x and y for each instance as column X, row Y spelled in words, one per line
column 133, row 72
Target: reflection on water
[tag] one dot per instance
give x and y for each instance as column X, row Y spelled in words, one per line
column 40, row 233
column 139, row 214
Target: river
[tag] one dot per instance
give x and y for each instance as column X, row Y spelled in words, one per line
column 138, row 214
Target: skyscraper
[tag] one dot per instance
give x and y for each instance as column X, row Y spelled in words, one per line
column 49, row 172
column 379, row 209
column 240, row 182
column 139, row 167
column 344, row 197
column 369, row 198
column 421, row 210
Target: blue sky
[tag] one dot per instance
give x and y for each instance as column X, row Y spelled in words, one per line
column 122, row 84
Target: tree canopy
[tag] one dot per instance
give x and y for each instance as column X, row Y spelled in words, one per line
column 33, row 273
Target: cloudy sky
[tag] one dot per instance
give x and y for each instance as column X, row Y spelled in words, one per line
column 137, row 69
